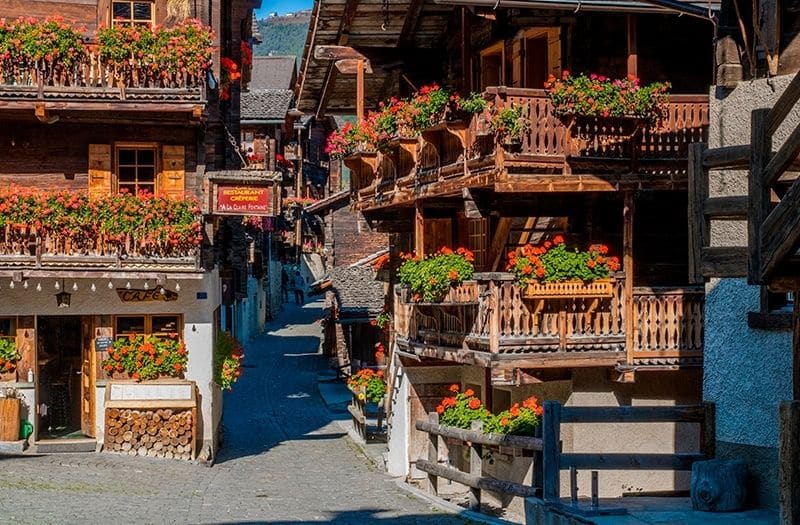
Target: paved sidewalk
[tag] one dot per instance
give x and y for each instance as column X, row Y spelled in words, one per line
column 284, row 460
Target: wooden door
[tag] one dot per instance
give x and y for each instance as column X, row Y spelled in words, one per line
column 88, row 374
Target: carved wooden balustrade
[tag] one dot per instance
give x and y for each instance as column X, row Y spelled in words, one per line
column 91, row 79
column 493, row 315
column 36, row 249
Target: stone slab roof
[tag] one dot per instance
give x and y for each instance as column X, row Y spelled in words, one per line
column 273, row 72
column 357, row 292
column 266, row 104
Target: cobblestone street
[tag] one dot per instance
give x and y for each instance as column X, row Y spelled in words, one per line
column 283, row 461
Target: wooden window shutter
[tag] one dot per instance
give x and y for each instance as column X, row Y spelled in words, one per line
column 172, row 182
column 99, row 170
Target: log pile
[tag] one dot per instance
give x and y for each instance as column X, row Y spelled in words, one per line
column 159, row 433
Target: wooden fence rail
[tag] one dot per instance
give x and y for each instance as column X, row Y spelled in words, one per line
column 553, row 461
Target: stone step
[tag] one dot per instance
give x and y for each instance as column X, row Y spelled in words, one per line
column 57, row 446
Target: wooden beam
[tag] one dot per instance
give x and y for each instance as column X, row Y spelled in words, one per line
column 470, row 480
column 633, row 59
column 466, row 55
column 780, row 232
column 634, row 414
column 419, row 230
column 758, row 189
column 726, row 157
column 769, row 22
column 784, row 105
column 698, row 223
column 498, row 242
column 679, row 461
column 360, row 90
column 551, row 450
column 413, row 12
column 796, row 350
column 348, row 66
column 784, row 157
column 628, row 212
column 723, row 261
column 789, row 461
column 481, row 438
column 727, row 208
column 329, row 81
column 339, row 52
column 530, row 225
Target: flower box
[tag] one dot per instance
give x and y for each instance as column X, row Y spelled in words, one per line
column 9, row 419
column 601, row 288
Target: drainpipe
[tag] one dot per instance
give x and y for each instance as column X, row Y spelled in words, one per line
column 685, row 9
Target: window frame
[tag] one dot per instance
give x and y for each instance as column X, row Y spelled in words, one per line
column 155, row 147
column 148, row 325
column 113, row 21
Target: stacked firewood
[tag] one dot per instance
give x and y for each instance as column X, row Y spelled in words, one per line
column 159, row 433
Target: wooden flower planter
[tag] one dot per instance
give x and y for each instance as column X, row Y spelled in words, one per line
column 9, row 419
column 601, row 288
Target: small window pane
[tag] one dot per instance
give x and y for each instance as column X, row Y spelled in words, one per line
column 146, row 174
column 130, row 325
column 127, row 157
column 6, row 327
column 166, row 324
column 127, row 188
column 146, row 156
column 142, row 11
column 122, row 10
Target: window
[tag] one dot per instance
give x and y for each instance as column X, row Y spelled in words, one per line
column 136, row 169
column 127, row 12
column 775, row 312
column 157, row 325
column 493, row 66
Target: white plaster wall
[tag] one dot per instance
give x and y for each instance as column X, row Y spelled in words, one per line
column 397, row 461
column 197, row 317
column 746, row 372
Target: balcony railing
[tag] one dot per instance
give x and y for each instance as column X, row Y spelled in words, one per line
column 91, row 80
column 468, row 153
column 32, row 249
column 492, row 316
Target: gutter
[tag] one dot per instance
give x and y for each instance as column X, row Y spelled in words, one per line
column 621, row 6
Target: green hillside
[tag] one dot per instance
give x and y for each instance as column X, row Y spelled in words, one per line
column 283, row 35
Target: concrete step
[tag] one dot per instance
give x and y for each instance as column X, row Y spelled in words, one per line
column 57, row 446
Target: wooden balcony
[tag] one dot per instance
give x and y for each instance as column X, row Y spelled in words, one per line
column 556, row 154
column 33, row 251
column 491, row 323
column 91, row 85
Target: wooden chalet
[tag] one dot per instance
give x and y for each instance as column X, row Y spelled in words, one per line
column 102, row 129
column 589, row 179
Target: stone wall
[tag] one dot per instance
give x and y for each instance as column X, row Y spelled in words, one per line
column 747, row 371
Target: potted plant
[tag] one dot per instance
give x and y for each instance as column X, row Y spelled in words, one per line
column 509, row 124
column 10, row 404
column 368, row 386
column 142, row 358
column 9, row 356
column 550, row 270
column 430, row 278
column 462, row 408
column 228, row 356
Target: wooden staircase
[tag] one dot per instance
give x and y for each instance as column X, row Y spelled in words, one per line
column 771, row 208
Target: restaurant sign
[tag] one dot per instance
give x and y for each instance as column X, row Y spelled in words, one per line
column 244, row 200
column 128, row 295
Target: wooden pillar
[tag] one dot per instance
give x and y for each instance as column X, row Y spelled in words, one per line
column 759, row 205
column 475, row 466
column 433, row 453
column 466, row 59
column 26, row 346
column 789, row 461
column 551, row 450
column 633, row 59
column 360, row 89
column 796, row 347
column 419, row 230
column 628, row 211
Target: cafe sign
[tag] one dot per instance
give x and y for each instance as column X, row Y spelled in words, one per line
column 131, row 295
column 232, row 199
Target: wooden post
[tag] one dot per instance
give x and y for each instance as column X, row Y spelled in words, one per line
column 789, row 462
column 433, row 453
column 760, row 153
column 419, row 230
column 627, row 264
column 796, row 347
column 475, row 467
column 360, row 89
column 633, row 59
column 708, row 431
column 551, row 437
column 494, row 317
column 698, row 223
column 466, row 62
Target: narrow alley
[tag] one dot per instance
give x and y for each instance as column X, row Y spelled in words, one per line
column 284, row 460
